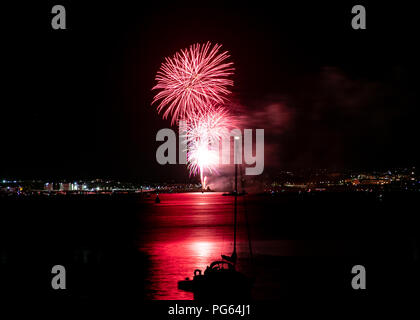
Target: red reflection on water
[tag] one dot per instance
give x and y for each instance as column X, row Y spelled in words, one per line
column 185, row 232
column 174, row 261
column 202, row 248
column 188, row 231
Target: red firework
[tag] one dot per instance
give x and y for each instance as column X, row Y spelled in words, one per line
column 204, row 134
column 213, row 125
column 192, row 80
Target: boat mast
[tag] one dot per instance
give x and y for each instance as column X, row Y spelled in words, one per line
column 246, row 217
column 235, row 210
column 235, row 214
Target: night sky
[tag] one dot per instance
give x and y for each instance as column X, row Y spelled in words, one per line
column 76, row 102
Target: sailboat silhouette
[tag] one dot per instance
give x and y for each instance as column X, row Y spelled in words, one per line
column 221, row 280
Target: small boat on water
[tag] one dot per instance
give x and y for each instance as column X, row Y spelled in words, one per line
column 157, row 200
column 220, row 281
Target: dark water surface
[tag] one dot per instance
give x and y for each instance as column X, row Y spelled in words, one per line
column 129, row 247
column 188, row 231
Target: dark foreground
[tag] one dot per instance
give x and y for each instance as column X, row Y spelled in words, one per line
column 127, row 250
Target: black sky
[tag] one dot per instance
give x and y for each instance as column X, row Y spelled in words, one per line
column 76, row 103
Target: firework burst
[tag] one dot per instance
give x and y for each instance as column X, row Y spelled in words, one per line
column 193, row 80
column 204, row 134
column 212, row 125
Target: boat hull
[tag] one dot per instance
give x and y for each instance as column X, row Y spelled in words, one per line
column 218, row 286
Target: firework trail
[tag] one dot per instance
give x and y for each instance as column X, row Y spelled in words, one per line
column 192, row 81
column 204, row 134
